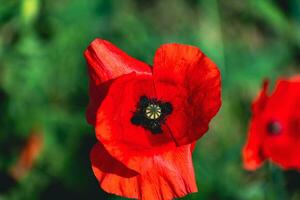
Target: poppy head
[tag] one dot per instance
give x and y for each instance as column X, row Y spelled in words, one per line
column 274, row 131
column 147, row 117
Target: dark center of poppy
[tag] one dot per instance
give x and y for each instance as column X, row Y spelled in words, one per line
column 151, row 114
column 274, row 128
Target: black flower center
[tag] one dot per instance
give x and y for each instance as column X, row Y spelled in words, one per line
column 151, row 114
column 274, row 128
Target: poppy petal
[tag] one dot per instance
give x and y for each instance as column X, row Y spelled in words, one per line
column 253, row 156
column 261, row 100
column 106, row 62
column 164, row 176
column 199, row 81
column 113, row 176
column 252, row 153
column 193, row 146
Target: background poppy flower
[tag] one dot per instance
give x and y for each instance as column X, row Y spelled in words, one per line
column 179, row 96
column 274, row 128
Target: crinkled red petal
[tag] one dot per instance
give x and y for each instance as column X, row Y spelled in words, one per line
column 163, row 176
column 106, row 62
column 198, row 81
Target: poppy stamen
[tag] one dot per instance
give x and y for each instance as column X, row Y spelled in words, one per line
column 151, row 114
column 274, row 128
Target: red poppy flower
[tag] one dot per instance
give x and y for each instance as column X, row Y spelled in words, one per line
column 147, row 119
column 275, row 127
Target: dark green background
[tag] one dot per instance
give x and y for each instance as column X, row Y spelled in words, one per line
column 43, row 84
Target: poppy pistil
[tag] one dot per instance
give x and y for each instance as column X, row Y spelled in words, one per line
column 151, row 114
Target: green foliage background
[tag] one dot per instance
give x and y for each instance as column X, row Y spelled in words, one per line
column 43, row 84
